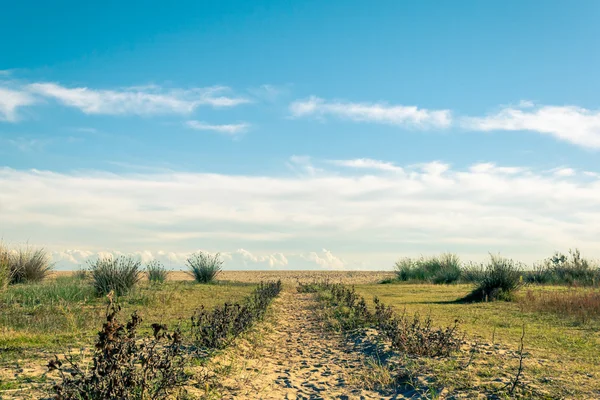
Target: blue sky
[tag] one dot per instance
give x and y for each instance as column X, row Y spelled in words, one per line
column 300, row 134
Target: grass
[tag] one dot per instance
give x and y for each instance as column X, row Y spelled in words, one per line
column 118, row 275
column 500, row 279
column 204, row 267
column 156, row 272
column 65, row 312
column 4, row 267
column 578, row 305
column 28, row 265
column 562, row 357
column 445, row 268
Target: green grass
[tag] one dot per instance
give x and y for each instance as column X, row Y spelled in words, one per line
column 558, row 347
column 66, row 312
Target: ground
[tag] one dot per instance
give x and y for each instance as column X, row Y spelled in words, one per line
column 295, row 354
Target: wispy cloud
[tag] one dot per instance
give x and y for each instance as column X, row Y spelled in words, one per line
column 25, row 144
column 145, row 100
column 226, row 129
column 11, row 101
column 381, row 113
column 367, row 163
column 572, row 124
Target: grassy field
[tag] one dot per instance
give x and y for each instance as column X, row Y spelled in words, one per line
column 562, row 353
column 62, row 314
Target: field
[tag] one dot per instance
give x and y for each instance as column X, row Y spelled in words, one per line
column 304, row 347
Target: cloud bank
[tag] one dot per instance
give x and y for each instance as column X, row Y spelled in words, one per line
column 365, row 217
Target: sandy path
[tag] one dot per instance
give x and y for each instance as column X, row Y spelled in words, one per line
column 299, row 359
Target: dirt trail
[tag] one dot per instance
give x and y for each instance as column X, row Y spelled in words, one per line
column 301, row 360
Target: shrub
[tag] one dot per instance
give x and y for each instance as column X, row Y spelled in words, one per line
column 415, row 336
column 499, row 281
column 29, row 265
column 214, row 329
column 472, row 273
column 573, row 269
column 441, row 269
column 204, row 267
column 118, row 275
column 156, row 272
column 124, row 366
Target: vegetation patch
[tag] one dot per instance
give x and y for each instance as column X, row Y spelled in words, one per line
column 500, row 279
column 445, row 268
column 214, row 329
column 124, row 366
column 115, row 274
column 204, row 267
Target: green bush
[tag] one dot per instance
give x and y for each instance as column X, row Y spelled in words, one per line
column 29, row 265
column 472, row 273
column 204, row 267
column 500, row 279
column 118, row 275
column 441, row 269
column 562, row 269
column 156, row 272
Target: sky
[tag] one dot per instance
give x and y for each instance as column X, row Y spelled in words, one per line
column 300, row 135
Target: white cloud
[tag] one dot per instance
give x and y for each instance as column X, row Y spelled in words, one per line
column 25, row 144
column 145, row 100
column 564, row 172
column 269, row 93
column 362, row 218
column 381, row 113
column 326, row 259
column 572, row 124
column 11, row 101
column 227, row 129
column 367, row 163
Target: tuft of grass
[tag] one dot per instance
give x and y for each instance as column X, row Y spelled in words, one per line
column 445, row 268
column 118, row 275
column 156, row 272
column 204, row 267
column 29, row 265
column 4, row 267
column 500, row 279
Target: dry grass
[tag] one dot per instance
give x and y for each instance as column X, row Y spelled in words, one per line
column 562, row 358
column 579, row 305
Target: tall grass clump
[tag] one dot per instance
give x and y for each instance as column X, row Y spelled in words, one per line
column 445, row 268
column 4, row 267
column 29, row 265
column 156, row 272
column 204, row 267
column 116, row 274
column 566, row 269
column 499, row 280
